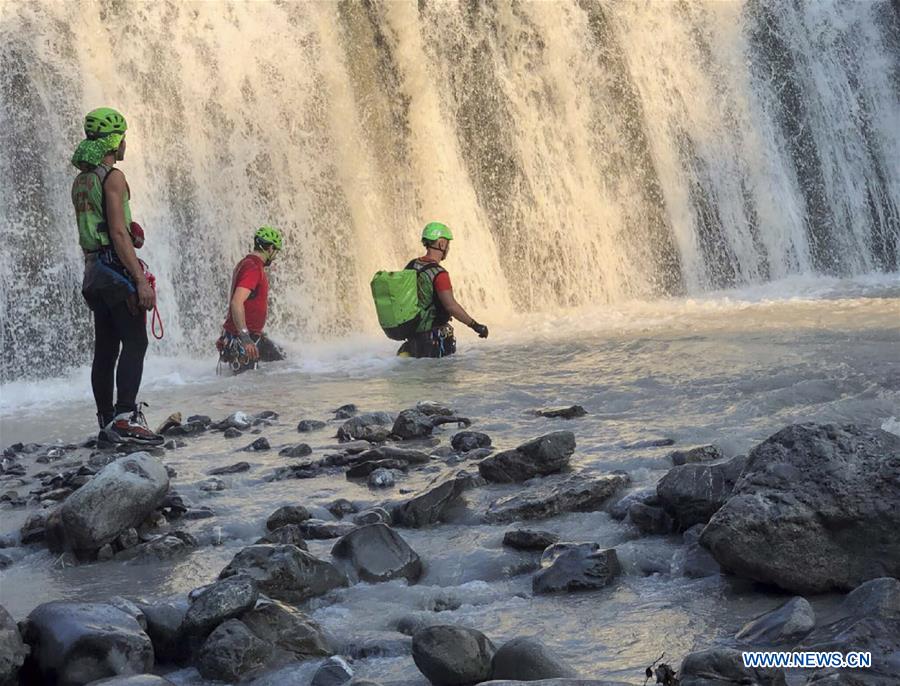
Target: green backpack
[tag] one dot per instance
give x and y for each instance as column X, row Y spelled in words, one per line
column 397, row 301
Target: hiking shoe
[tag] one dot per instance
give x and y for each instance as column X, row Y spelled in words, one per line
column 131, row 427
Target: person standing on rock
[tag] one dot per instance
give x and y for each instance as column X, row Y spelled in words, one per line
column 115, row 286
column 434, row 337
column 242, row 343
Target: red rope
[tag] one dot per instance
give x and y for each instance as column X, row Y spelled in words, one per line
column 156, row 317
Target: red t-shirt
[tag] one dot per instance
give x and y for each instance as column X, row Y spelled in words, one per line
column 250, row 273
column 441, row 281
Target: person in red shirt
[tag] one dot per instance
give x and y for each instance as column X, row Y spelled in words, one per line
column 243, row 343
column 434, row 336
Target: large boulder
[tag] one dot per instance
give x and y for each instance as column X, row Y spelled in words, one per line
column 785, row 625
column 288, row 629
column 164, row 621
column 429, row 506
column 452, row 655
column 816, row 509
column 377, row 553
column 12, row 649
column 527, row 659
column 538, row 457
column 368, row 426
column 233, row 653
column 218, row 602
column 121, row 496
column 575, row 494
column 577, row 569
column 723, row 667
column 692, row 493
column 285, row 572
column 76, row 643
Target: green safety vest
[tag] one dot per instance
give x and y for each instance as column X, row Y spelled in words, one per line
column 90, row 208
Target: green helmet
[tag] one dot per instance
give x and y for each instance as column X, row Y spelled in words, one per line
column 268, row 235
column 102, row 122
column 435, row 230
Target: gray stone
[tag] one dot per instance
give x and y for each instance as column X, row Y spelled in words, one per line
column 233, row 653
column 377, row 553
column 341, row 507
column 219, row 602
column 260, row 444
column 452, row 655
column 130, row 608
column 817, row 508
column 287, row 629
column 231, row 432
column 464, row 441
column 650, row 520
column 76, row 643
column 693, row 493
column 164, row 547
column 288, row 514
column 285, row 572
column 430, row 505
column 390, row 452
column 289, row 533
column 573, row 494
column 230, row 469
column 577, row 570
column 702, row 453
column 121, row 496
column 539, row 457
column 381, row 478
column 212, row 485
column 648, row 443
column 528, row 539
column 346, row 411
column 373, row 516
column 298, row 450
column 133, row 680
column 723, row 666
column 12, row 650
column 786, row 624
column 570, row 412
column 319, row 530
column 307, row 425
column 527, row 659
column 365, row 426
column 376, row 644
column 333, row 672
column 236, row 420
column 164, row 629
column 412, row 424
column 433, row 409
column 34, row 529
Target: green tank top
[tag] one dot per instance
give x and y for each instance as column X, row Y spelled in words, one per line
column 90, row 211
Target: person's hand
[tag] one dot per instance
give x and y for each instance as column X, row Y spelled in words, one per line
column 480, row 329
column 252, row 351
column 146, row 295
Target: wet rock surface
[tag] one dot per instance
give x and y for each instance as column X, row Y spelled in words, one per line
column 527, row 659
column 219, row 602
column 12, row 650
column 284, row 572
column 539, row 457
column 376, row 552
column 288, row 629
column 785, row 625
column 429, row 506
column 724, row 666
column 452, row 655
column 232, row 653
column 573, row 494
column 529, row 539
column 577, row 569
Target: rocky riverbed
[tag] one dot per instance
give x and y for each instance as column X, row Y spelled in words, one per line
column 804, row 523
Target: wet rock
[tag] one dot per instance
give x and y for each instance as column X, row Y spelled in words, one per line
column 346, row 411
column 265, row 418
column 786, row 624
column 238, row 420
column 464, row 441
column 287, row 514
column 570, row 412
column 376, row 553
column 5, row 563
column 817, row 508
column 230, row 469
column 200, row 419
column 414, row 424
column 373, row 516
column 702, row 453
column 258, row 445
column 650, row 520
column 693, row 493
column 527, row 659
column 174, row 505
column 188, row 429
column 75, row 643
column 529, row 539
column 376, row 644
column 212, row 485
column 381, row 478
column 298, row 450
column 539, row 457
column 12, row 650
column 289, row 533
column 231, row 432
column 285, row 572
column 130, row 608
column 697, row 562
column 364, row 469
column 430, row 505
column 452, row 655
column 333, row 672
column 389, row 452
column 647, row 496
column 368, row 426
column 307, row 425
column 199, row 513
column 232, row 653
column 573, row 494
column 868, row 619
column 219, row 602
column 133, row 680
column 724, row 666
column 648, row 443
column 295, row 471
column 557, row 682
column 171, row 422
column 106, row 553
column 318, row 529
column 342, row 507
column 165, row 547
column 122, row 495
column 164, row 622
column 287, row 629
column 433, row 409
column 577, row 569
column 34, row 530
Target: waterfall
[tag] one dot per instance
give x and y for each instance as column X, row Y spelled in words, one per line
column 582, row 151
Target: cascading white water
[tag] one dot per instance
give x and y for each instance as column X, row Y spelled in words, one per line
column 582, row 151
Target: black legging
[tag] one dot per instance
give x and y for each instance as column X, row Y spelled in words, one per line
column 113, row 327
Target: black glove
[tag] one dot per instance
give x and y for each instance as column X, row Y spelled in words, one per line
column 480, row 329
